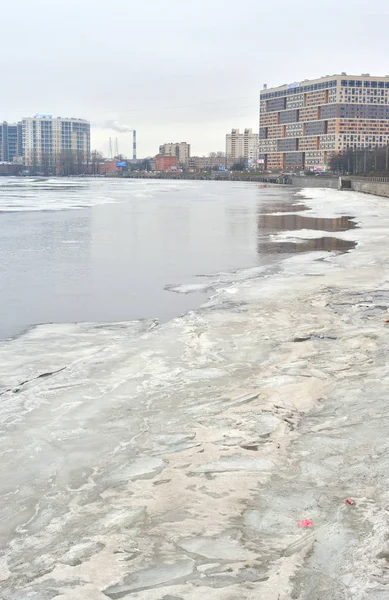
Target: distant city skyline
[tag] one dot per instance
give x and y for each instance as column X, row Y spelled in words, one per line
column 102, row 133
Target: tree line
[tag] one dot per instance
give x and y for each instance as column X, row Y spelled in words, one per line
column 66, row 163
column 361, row 161
column 75, row 162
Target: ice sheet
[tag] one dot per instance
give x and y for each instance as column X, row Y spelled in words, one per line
column 290, row 369
column 25, row 194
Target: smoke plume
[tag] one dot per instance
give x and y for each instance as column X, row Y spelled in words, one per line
column 115, row 126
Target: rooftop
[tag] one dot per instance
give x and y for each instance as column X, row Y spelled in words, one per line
column 365, row 76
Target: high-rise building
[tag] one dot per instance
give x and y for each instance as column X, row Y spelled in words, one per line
column 242, row 146
column 302, row 125
column 11, row 146
column 179, row 149
column 45, row 139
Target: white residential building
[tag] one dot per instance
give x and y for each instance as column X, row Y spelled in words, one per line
column 242, row 145
column 45, row 138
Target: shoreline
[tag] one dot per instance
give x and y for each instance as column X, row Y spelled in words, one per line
column 233, row 435
column 376, row 186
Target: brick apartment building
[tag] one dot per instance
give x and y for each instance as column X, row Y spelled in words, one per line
column 302, row 125
column 166, row 163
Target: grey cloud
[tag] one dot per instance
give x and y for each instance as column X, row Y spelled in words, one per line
column 176, row 70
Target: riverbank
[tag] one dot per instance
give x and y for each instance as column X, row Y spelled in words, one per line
column 177, row 461
column 378, row 186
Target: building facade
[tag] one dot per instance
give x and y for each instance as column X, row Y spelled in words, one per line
column 242, row 146
column 302, row 125
column 166, row 163
column 207, row 163
column 179, row 149
column 47, row 139
column 11, row 144
column 203, row 163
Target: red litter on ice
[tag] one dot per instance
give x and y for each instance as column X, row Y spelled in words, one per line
column 349, row 501
column 305, row 523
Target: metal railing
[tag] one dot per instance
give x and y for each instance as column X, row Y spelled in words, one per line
column 368, row 179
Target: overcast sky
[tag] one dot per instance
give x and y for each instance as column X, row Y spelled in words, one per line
column 176, row 70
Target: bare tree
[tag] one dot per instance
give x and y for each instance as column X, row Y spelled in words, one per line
column 66, row 163
column 45, row 163
column 80, row 159
column 96, row 160
column 33, row 162
column 360, row 161
column 239, row 166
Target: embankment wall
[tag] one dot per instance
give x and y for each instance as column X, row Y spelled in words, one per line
column 370, row 187
column 364, row 185
column 322, row 182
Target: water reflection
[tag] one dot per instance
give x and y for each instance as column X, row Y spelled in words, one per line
column 283, row 208
column 326, row 244
column 288, row 222
column 280, row 216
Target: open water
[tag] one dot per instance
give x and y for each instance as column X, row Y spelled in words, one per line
column 106, row 250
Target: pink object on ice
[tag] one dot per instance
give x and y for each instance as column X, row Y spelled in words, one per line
column 305, row 523
column 349, row 501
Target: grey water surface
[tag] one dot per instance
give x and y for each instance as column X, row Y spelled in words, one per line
column 104, row 250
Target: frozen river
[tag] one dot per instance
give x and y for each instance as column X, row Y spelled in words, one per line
column 112, row 250
column 175, row 461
